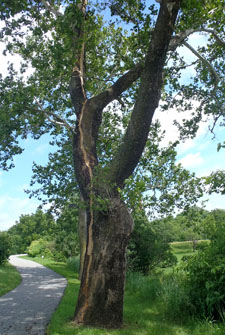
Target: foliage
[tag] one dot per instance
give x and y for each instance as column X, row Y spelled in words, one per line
column 5, row 244
column 66, row 238
column 41, row 37
column 174, row 294
column 145, row 312
column 41, row 247
column 147, row 248
column 205, row 273
column 131, row 56
column 29, row 228
column 185, row 226
column 73, row 263
column 216, row 182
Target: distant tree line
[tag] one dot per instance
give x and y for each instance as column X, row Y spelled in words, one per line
column 42, row 234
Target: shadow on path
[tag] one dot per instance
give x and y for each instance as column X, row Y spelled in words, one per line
column 28, row 308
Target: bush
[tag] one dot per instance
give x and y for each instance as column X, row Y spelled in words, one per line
column 4, row 247
column 41, row 247
column 205, row 276
column 147, row 248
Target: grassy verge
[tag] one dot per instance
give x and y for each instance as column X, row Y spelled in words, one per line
column 181, row 249
column 144, row 312
column 9, row 278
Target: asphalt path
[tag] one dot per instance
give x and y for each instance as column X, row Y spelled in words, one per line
column 28, row 308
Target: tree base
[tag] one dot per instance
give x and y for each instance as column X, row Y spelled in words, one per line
column 100, row 300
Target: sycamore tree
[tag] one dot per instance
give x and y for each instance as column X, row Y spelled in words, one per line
column 83, row 64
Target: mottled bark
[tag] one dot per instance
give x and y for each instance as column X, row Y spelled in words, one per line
column 100, row 300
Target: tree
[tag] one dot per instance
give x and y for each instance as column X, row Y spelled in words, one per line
column 148, row 248
column 205, row 272
column 29, row 228
column 84, row 71
column 4, row 247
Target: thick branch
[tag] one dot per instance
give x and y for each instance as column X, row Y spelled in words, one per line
column 77, row 91
column 113, row 92
column 132, row 146
column 124, row 82
column 179, row 38
column 207, row 63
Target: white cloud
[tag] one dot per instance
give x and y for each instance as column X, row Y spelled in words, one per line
column 191, row 160
column 12, row 208
column 185, row 146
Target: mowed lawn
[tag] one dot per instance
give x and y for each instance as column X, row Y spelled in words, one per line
column 9, row 278
column 181, row 249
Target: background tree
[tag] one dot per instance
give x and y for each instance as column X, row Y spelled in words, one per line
column 5, row 244
column 29, row 228
column 90, row 65
column 148, row 247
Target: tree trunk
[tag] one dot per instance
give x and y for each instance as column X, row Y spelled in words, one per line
column 100, row 301
column 82, row 238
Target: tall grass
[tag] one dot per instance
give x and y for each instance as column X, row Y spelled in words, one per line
column 73, row 263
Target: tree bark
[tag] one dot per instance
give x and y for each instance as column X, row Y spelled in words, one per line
column 100, row 300
column 82, row 229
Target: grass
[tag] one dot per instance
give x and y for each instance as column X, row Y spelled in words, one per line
column 181, row 249
column 144, row 312
column 9, row 278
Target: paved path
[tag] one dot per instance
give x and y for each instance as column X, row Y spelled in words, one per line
column 28, row 308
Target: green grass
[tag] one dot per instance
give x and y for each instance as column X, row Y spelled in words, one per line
column 144, row 312
column 9, row 278
column 181, row 249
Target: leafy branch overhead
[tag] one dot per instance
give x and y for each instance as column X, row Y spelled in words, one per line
column 44, row 32
column 92, row 75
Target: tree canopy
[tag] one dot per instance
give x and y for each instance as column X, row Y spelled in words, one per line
column 93, row 71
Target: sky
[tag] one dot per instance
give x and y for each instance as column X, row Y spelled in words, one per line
column 198, row 155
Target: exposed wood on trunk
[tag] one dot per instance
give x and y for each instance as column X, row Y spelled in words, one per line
column 82, row 237
column 100, row 300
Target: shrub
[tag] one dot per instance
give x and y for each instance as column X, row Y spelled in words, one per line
column 205, row 275
column 4, row 247
column 147, row 248
column 41, row 247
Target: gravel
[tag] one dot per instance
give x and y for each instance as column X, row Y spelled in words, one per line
column 28, row 308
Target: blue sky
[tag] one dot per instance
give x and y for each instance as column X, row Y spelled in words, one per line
column 198, row 155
